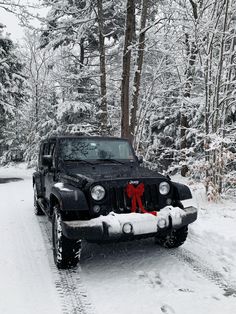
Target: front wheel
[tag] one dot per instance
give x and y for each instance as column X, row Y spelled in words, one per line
column 66, row 252
column 37, row 209
column 174, row 238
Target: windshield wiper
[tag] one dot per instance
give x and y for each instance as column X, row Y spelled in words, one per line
column 79, row 160
column 111, row 160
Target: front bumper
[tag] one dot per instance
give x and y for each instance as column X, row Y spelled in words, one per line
column 128, row 226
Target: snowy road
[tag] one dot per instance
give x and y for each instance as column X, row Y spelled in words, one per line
column 135, row 277
column 26, row 280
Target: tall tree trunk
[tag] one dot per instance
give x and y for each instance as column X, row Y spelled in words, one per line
column 220, row 69
column 81, row 59
column 207, row 80
column 103, row 85
column 36, row 103
column 192, row 51
column 221, row 117
column 190, row 72
column 139, row 66
column 129, row 33
column 2, row 128
column 210, row 156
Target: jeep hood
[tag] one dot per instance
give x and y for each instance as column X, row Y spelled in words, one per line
column 110, row 172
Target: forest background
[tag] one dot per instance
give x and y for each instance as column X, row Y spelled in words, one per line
column 160, row 73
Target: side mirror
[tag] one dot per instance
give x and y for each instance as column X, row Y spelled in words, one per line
column 47, row 161
column 140, row 159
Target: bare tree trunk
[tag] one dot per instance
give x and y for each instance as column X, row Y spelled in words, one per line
column 139, row 65
column 217, row 122
column 129, row 33
column 36, row 102
column 225, row 104
column 207, row 79
column 210, row 156
column 190, row 72
column 2, row 127
column 103, row 85
column 192, row 51
column 81, row 59
column 220, row 68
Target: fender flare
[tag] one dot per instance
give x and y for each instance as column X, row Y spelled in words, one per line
column 69, row 198
column 182, row 191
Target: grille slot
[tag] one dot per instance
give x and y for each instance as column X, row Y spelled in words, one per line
column 120, row 203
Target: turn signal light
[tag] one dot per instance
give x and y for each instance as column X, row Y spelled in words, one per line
column 127, row 228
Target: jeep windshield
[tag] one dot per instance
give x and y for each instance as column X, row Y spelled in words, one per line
column 95, row 149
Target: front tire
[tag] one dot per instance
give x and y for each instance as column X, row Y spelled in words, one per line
column 37, row 209
column 66, row 252
column 174, row 238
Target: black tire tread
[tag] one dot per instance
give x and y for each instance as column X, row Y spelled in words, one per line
column 174, row 239
column 37, row 209
column 69, row 254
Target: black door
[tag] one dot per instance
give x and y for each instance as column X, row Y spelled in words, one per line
column 50, row 171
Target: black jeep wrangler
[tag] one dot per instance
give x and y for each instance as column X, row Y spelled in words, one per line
column 94, row 188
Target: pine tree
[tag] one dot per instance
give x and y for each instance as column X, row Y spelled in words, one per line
column 81, row 30
column 11, row 94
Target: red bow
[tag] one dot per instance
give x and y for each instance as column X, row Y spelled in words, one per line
column 136, row 193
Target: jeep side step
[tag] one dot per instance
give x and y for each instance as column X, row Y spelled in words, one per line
column 42, row 204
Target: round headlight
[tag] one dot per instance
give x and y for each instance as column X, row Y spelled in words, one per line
column 98, row 192
column 164, row 188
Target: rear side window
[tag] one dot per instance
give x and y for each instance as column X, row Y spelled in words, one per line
column 51, row 148
column 45, row 149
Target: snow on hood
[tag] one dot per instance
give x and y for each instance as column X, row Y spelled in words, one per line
column 61, row 187
column 111, row 171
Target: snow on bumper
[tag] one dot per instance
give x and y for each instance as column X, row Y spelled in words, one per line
column 115, row 226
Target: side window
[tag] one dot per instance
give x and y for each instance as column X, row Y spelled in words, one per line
column 51, row 149
column 45, row 149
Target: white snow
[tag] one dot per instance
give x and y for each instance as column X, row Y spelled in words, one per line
column 61, row 187
column 26, row 282
column 121, row 278
column 141, row 223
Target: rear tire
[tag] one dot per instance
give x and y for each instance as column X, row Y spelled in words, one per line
column 174, row 238
column 37, row 209
column 66, row 252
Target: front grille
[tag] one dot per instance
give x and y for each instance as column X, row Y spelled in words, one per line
column 121, row 203
column 150, row 199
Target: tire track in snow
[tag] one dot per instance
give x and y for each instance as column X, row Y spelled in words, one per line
column 205, row 269
column 67, row 282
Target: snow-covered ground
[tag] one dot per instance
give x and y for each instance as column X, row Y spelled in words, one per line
column 121, row 278
column 26, row 281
